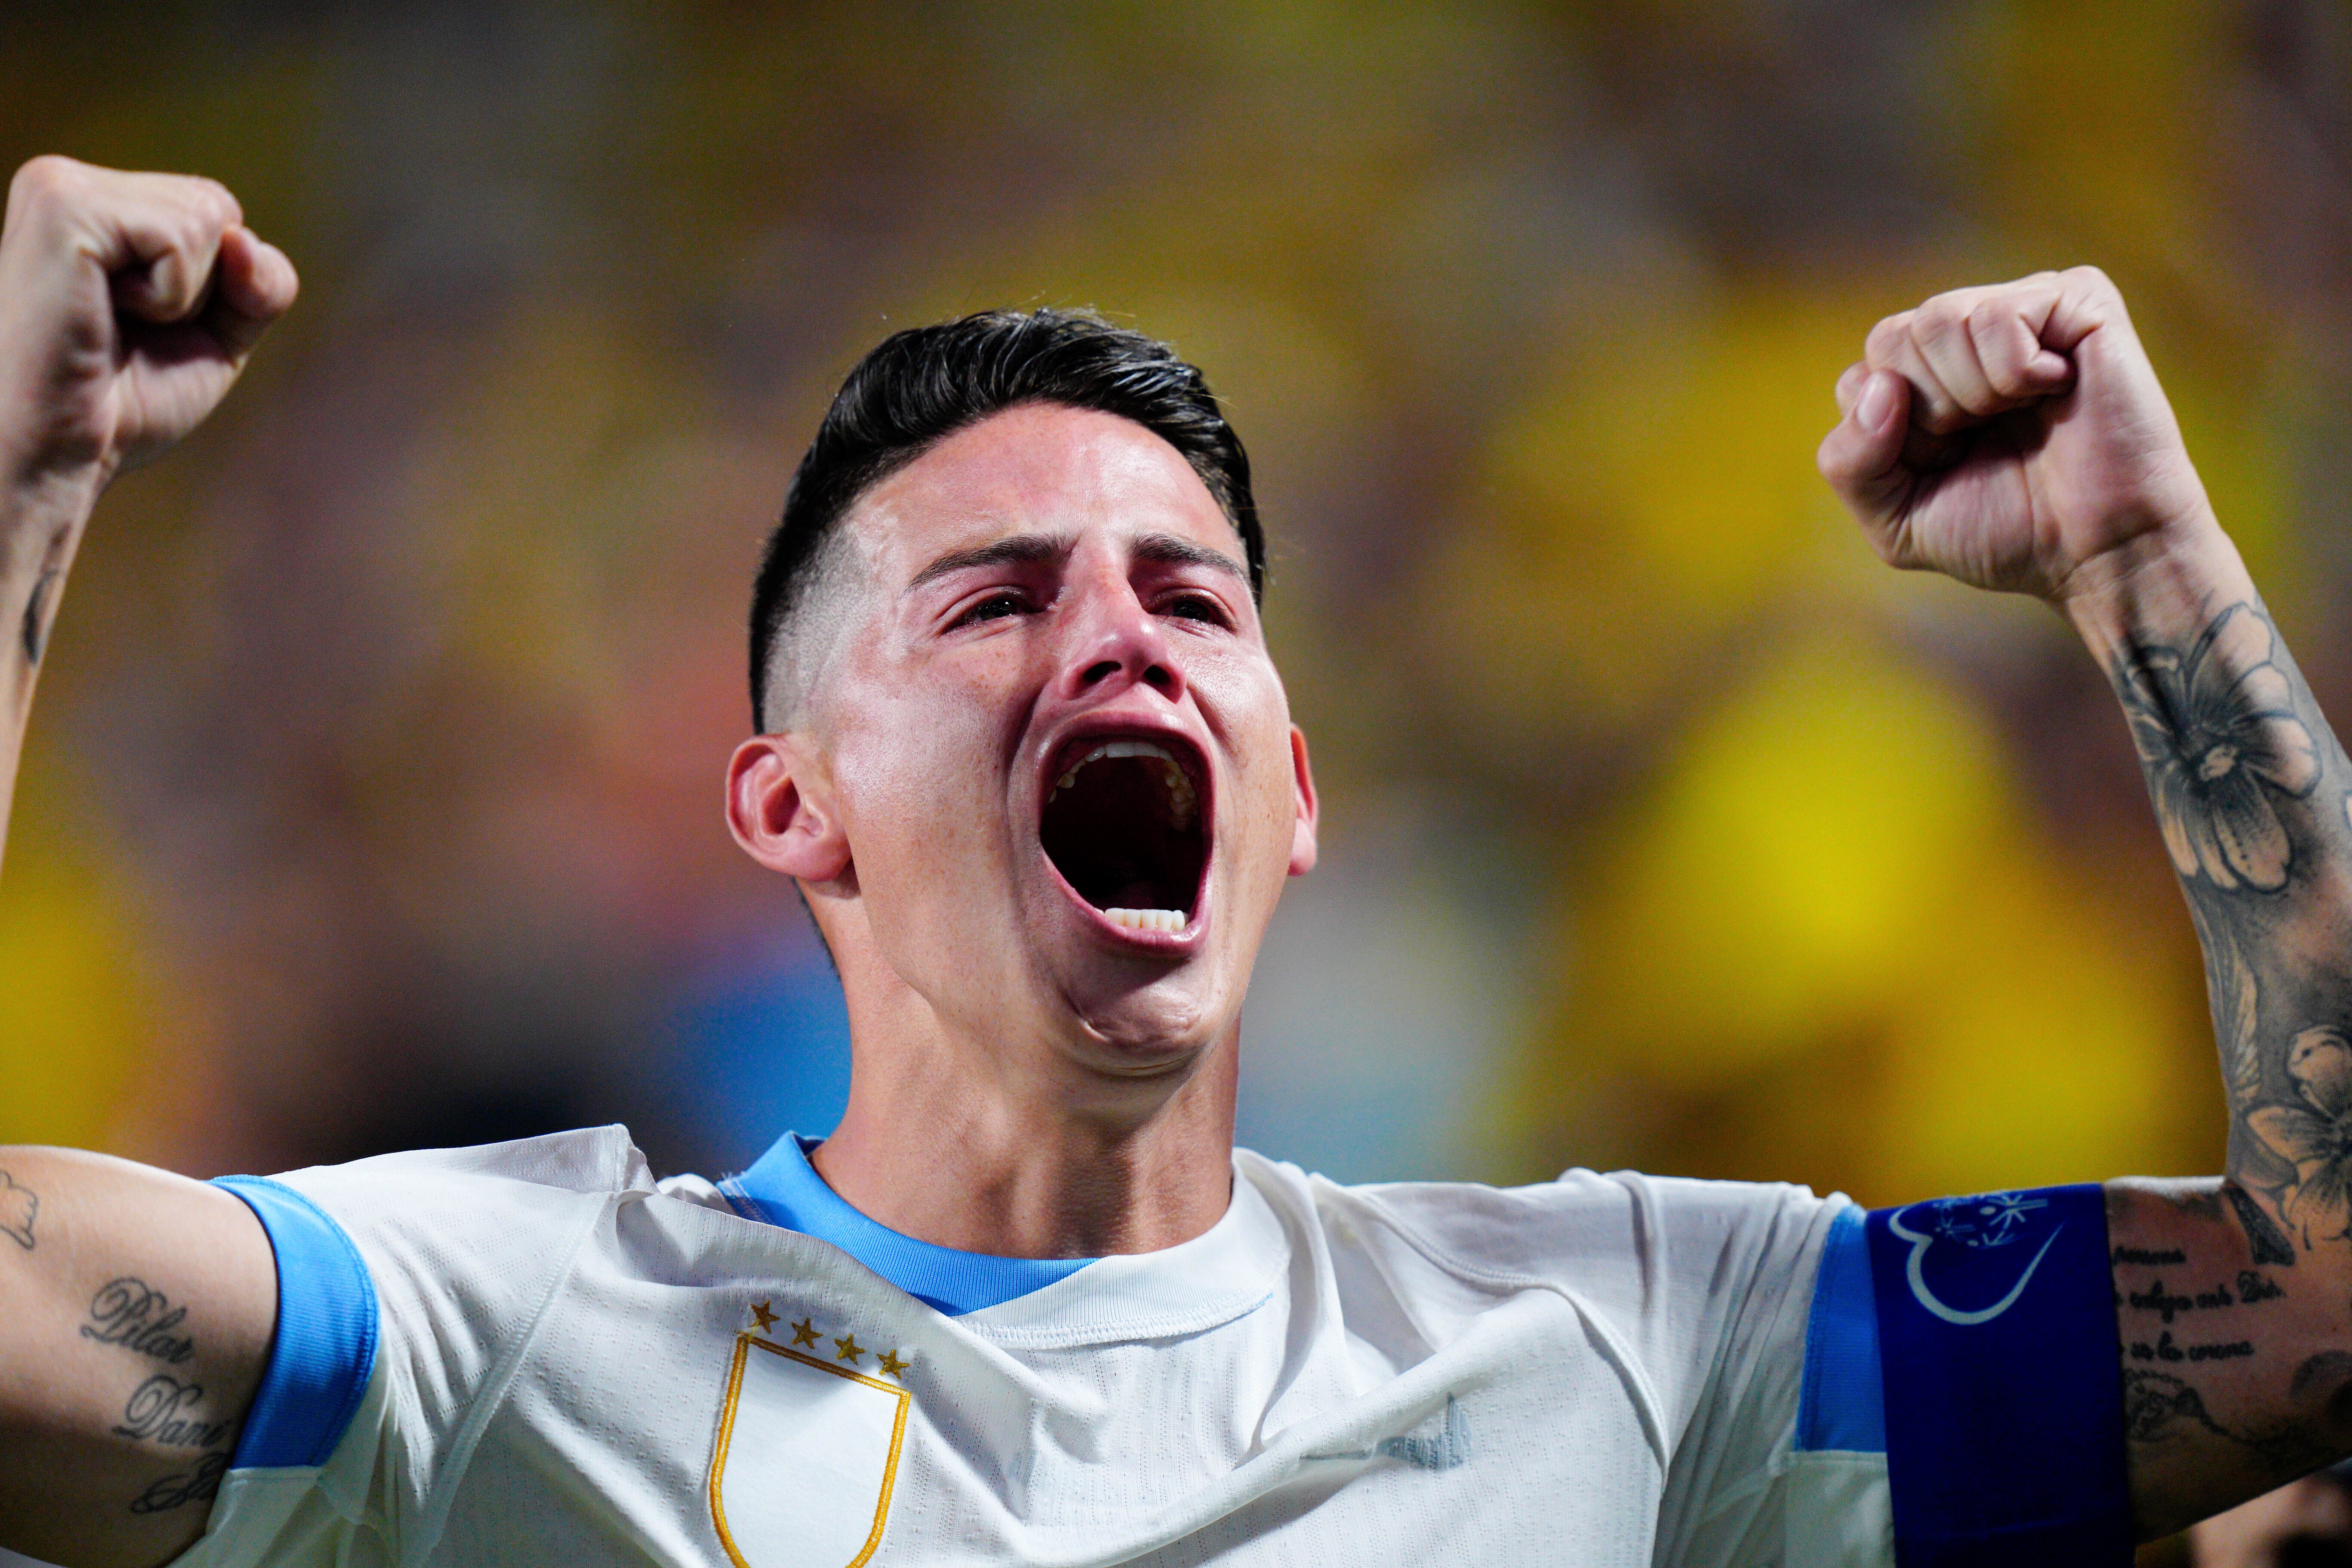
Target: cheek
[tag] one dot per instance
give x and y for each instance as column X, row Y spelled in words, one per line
column 921, row 781
column 1258, row 737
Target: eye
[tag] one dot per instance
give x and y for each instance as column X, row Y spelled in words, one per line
column 1196, row 607
column 990, row 607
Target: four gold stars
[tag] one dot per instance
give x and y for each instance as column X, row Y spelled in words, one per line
column 846, row 1346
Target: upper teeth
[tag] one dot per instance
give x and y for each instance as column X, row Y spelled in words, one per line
column 1181, row 797
column 1147, row 920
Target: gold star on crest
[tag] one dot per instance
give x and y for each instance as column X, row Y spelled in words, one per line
column 849, row 1349
column 891, row 1365
column 764, row 1316
column 802, row 1334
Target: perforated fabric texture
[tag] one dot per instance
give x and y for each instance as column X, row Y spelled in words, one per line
column 1602, row 1369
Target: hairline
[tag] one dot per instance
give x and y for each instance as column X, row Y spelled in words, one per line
column 789, row 676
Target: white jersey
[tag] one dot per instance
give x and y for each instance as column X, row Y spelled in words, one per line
column 573, row 1363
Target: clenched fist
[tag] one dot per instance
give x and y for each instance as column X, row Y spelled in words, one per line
column 2012, row 437
column 127, row 305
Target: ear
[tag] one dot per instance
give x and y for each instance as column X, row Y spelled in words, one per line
column 1302, row 827
column 779, row 808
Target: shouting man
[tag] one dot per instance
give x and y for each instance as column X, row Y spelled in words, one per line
column 1023, row 751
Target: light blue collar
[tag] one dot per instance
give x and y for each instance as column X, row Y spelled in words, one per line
column 785, row 1189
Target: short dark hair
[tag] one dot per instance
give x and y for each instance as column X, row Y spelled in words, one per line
column 920, row 386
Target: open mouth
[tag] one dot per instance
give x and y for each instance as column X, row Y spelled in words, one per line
column 1124, row 825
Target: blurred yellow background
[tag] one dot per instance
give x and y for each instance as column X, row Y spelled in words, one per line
column 374, row 794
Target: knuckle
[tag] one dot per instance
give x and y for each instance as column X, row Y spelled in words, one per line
column 2092, row 280
column 1888, row 335
column 1941, row 317
column 46, row 177
column 217, row 202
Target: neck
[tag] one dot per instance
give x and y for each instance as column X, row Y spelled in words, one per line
column 994, row 1147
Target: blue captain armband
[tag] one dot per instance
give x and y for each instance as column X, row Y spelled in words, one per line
column 324, row 1350
column 1973, row 1342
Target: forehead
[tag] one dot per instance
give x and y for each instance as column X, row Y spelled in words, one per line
column 1035, row 469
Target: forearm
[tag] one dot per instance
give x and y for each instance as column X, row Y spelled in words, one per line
column 2250, row 792
column 41, row 524
column 2230, row 1296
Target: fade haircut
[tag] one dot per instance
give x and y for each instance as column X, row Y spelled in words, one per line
column 924, row 384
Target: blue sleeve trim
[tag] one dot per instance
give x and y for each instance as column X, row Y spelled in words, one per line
column 323, row 1351
column 1842, row 1406
column 2004, row 1380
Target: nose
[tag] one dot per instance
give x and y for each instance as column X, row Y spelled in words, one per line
column 1115, row 642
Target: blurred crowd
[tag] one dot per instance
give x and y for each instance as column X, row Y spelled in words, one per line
column 373, row 792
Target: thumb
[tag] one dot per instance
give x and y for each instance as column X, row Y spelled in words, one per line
column 1861, row 457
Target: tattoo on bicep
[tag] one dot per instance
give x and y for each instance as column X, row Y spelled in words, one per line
column 133, row 1314
column 32, row 635
column 198, row 1485
column 2157, row 1406
column 20, row 1205
column 159, row 1411
column 2268, row 1244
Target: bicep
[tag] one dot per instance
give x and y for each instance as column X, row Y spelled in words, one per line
column 2236, row 1344
column 136, row 1308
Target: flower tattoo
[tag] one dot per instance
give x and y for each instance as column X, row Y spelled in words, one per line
column 2217, row 733
column 2316, row 1136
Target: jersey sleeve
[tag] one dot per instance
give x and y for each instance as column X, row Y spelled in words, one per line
column 1962, row 1397
column 409, row 1291
column 2002, row 1378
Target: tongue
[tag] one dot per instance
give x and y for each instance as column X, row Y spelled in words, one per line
column 1136, row 895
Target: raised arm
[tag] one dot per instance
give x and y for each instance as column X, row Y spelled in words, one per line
column 136, row 1307
column 2015, row 438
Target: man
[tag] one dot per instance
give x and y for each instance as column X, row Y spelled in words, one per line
column 1025, row 755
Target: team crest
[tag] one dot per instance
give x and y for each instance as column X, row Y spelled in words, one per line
column 807, row 1450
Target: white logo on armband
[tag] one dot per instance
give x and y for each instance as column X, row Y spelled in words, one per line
column 1994, row 1219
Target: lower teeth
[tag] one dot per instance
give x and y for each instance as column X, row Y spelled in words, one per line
column 1147, row 920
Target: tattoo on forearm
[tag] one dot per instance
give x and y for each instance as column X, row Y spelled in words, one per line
column 138, row 1317
column 198, row 1485
column 2249, row 787
column 2250, row 791
column 158, row 1411
column 32, row 635
column 19, row 1205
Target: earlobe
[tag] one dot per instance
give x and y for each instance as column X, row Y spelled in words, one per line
column 1302, row 828
column 779, row 810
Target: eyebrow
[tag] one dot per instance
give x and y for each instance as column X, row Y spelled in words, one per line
column 1167, row 550
column 1018, row 550
column 1027, row 548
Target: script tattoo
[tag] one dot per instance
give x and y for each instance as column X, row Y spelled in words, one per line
column 138, row 1317
column 19, row 1205
column 198, row 1485
column 2250, row 791
column 156, row 1412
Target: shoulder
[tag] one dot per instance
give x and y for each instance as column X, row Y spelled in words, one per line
column 458, row 1241
column 1634, row 1249
column 1585, row 1226
column 591, row 1160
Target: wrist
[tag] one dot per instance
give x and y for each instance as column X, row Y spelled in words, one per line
column 42, row 510
column 2180, row 569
